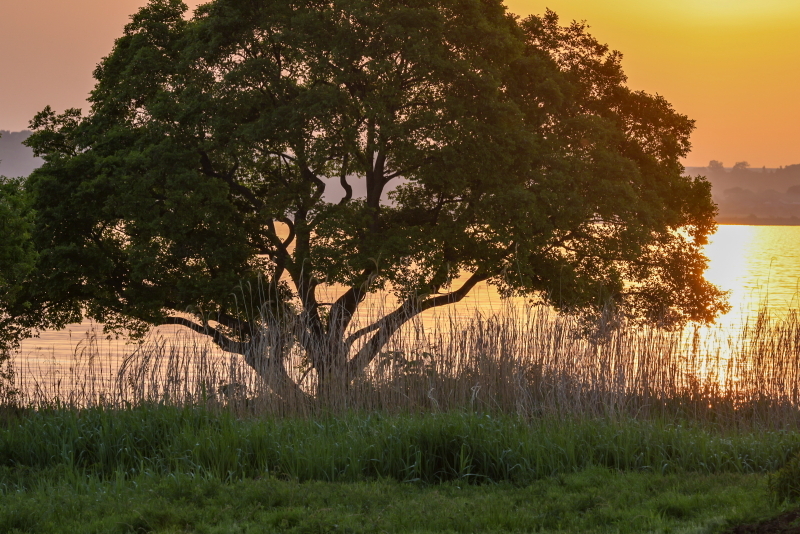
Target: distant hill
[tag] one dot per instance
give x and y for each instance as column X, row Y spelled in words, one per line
column 753, row 196
column 15, row 158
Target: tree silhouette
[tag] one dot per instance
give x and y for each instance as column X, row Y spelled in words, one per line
column 522, row 160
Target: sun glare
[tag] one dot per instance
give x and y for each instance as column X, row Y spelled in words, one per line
column 729, row 253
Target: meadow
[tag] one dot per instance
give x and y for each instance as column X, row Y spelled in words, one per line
column 514, row 422
column 166, row 469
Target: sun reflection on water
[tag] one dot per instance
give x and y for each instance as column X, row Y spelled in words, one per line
column 759, row 265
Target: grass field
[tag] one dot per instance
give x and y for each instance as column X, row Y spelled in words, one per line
column 168, row 469
column 591, row 500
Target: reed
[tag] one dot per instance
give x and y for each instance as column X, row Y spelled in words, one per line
column 527, row 362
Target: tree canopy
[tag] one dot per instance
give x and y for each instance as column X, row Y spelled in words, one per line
column 511, row 150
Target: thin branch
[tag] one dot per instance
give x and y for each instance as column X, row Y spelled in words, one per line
column 311, row 176
column 234, row 323
column 361, row 332
column 219, row 339
column 288, row 222
column 280, row 155
column 392, row 322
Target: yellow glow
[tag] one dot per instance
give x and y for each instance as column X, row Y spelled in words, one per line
column 728, row 253
column 665, row 13
column 739, row 10
column 760, row 265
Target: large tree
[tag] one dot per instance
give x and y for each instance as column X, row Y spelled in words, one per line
column 514, row 153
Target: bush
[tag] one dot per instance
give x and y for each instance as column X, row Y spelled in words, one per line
column 784, row 484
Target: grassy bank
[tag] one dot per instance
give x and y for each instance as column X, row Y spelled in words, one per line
column 427, row 448
column 501, row 424
column 168, row 469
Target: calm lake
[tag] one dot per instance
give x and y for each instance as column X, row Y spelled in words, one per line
column 759, row 265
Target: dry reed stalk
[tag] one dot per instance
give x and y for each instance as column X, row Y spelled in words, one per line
column 521, row 361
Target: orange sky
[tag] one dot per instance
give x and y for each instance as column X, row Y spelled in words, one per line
column 733, row 65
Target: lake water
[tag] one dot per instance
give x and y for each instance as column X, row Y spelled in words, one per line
column 759, row 265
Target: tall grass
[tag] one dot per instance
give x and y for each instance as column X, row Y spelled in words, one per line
column 164, row 440
column 524, row 362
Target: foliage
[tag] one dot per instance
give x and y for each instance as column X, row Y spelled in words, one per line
column 17, row 255
column 784, row 484
column 510, row 150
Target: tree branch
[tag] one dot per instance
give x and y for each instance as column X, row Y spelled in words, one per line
column 344, row 308
column 234, row 323
column 348, row 190
column 312, row 177
column 228, row 178
column 288, row 222
column 219, row 339
column 392, row 322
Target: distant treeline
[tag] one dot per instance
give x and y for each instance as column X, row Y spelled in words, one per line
column 754, row 196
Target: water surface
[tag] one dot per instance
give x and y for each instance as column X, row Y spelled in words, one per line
column 759, row 265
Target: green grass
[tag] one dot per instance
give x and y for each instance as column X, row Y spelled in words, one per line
column 167, row 469
column 593, row 500
column 424, row 448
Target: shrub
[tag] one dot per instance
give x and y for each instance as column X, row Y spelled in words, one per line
column 784, row 484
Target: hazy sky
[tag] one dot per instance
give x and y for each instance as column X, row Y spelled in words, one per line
column 730, row 64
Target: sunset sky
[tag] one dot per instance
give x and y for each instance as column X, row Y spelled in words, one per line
column 733, row 65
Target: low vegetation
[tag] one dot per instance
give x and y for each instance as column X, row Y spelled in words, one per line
column 785, row 484
column 431, row 449
column 593, row 500
column 168, row 469
column 513, row 422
